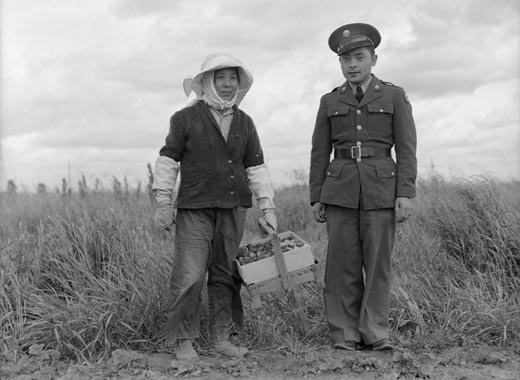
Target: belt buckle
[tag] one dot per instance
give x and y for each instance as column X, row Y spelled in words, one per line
column 353, row 151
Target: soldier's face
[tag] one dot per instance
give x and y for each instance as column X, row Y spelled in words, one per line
column 226, row 82
column 356, row 64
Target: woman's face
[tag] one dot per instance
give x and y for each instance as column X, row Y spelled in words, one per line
column 226, row 82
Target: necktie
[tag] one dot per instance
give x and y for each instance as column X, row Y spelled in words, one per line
column 359, row 93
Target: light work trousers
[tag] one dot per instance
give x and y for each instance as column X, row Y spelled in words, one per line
column 358, row 273
column 206, row 244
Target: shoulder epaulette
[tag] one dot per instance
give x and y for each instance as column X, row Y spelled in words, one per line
column 334, row 89
column 390, row 84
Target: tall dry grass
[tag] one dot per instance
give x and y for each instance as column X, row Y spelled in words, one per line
column 464, row 274
column 81, row 275
column 88, row 274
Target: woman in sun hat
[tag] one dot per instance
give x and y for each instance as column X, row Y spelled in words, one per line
column 215, row 147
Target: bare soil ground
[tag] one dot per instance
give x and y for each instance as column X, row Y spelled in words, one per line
column 480, row 363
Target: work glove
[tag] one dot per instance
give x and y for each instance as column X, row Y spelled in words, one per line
column 164, row 181
column 268, row 221
column 260, row 183
column 164, row 212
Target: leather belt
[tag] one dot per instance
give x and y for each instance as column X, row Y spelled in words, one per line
column 361, row 151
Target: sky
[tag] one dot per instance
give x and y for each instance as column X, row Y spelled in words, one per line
column 88, row 87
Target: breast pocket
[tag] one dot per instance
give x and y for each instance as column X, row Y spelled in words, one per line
column 339, row 121
column 380, row 116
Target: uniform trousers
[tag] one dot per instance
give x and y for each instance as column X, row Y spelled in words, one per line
column 206, row 246
column 358, row 273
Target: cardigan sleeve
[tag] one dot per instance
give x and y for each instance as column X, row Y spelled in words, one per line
column 253, row 155
column 175, row 140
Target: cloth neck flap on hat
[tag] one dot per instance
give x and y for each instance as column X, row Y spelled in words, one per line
column 208, row 92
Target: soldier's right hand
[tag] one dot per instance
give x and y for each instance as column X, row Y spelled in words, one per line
column 319, row 210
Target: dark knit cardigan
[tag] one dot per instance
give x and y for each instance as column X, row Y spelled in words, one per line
column 213, row 171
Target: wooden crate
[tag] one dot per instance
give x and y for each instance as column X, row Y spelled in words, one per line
column 282, row 270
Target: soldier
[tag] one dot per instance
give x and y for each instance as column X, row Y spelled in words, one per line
column 362, row 192
column 215, row 147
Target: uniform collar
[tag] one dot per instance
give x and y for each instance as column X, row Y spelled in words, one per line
column 373, row 91
column 364, row 85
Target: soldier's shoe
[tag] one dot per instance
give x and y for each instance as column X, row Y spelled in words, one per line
column 348, row 345
column 226, row 348
column 185, row 350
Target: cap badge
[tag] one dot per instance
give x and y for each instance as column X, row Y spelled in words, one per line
column 346, row 33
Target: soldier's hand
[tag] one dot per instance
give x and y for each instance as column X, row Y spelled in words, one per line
column 319, row 210
column 403, row 209
column 164, row 216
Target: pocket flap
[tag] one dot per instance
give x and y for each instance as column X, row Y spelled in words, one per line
column 334, row 169
column 380, row 107
column 385, row 172
column 338, row 111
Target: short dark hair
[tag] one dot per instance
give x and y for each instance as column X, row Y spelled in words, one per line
column 371, row 50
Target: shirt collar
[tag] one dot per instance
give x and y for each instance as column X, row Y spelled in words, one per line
column 222, row 113
column 364, row 85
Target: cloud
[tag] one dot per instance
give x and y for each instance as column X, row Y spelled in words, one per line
column 471, row 135
column 139, row 9
column 95, row 83
column 49, row 165
column 451, row 52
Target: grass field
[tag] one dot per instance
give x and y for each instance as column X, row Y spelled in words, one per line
column 86, row 273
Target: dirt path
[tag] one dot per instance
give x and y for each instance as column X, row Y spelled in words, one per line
column 456, row 364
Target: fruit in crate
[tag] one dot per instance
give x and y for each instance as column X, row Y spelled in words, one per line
column 260, row 250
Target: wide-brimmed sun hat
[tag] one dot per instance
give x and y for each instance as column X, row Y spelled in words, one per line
column 218, row 61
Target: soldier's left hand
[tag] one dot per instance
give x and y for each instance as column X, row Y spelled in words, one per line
column 403, row 209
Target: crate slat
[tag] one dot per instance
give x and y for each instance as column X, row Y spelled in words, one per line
column 283, row 270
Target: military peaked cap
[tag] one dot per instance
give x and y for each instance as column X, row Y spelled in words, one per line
column 352, row 36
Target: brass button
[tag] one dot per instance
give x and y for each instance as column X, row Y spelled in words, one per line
column 359, row 127
column 232, row 176
column 358, row 112
column 358, row 143
column 358, row 159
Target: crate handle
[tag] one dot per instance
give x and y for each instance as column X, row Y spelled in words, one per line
column 266, row 228
column 280, row 262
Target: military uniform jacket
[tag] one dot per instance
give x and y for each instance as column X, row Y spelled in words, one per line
column 383, row 119
column 213, row 170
